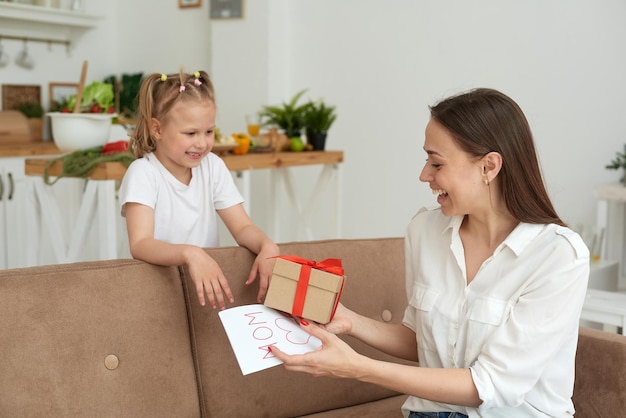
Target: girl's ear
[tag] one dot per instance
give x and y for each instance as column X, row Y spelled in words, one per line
column 155, row 128
column 492, row 164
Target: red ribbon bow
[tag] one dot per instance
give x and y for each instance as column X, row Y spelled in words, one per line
column 330, row 265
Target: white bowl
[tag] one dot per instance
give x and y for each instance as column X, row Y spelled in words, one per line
column 76, row 131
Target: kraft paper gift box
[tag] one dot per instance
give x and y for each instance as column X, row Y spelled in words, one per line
column 305, row 288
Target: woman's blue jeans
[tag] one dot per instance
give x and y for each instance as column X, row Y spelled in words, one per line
column 437, row 415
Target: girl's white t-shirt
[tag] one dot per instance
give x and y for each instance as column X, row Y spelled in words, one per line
column 183, row 214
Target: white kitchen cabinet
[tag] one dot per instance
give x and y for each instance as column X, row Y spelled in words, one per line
column 15, row 193
column 22, row 243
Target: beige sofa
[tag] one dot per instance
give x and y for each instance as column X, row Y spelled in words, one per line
column 123, row 338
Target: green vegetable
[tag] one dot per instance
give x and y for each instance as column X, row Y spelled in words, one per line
column 31, row 109
column 96, row 93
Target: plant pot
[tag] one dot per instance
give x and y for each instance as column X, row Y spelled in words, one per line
column 317, row 140
column 293, row 133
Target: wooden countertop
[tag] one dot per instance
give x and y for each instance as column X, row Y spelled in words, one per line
column 254, row 161
column 251, row 161
column 26, row 149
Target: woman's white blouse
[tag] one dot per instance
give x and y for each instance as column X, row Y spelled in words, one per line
column 515, row 326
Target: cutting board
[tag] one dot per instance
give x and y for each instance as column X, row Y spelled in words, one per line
column 14, row 127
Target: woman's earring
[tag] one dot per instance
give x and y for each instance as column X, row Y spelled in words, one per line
column 486, row 182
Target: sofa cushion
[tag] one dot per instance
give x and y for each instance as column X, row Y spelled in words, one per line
column 107, row 338
column 600, row 359
column 384, row 408
column 374, row 287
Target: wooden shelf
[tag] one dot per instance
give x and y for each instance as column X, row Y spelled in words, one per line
column 27, row 149
column 115, row 170
column 27, row 20
column 614, row 191
column 102, row 171
column 255, row 161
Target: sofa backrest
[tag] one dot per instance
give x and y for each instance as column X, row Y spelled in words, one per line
column 126, row 338
column 98, row 339
column 600, row 385
column 374, row 287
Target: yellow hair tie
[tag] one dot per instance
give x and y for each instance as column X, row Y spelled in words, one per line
column 163, row 77
column 197, row 81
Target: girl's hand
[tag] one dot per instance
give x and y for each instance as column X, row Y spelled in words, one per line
column 263, row 267
column 342, row 321
column 335, row 358
column 209, row 280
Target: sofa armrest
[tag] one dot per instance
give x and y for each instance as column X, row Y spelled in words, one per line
column 600, row 385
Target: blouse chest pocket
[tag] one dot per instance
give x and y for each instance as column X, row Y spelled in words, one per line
column 423, row 301
column 488, row 311
column 485, row 316
column 424, row 298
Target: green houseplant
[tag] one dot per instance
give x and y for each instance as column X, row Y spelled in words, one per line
column 318, row 118
column 126, row 90
column 619, row 163
column 34, row 112
column 289, row 116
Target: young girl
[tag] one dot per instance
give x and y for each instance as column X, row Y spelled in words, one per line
column 171, row 195
column 495, row 281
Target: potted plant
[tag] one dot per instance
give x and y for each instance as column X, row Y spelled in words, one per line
column 318, row 118
column 126, row 90
column 619, row 163
column 289, row 116
column 34, row 112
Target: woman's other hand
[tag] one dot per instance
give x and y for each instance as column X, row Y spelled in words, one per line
column 335, row 358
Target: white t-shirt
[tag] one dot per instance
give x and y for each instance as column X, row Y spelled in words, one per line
column 515, row 325
column 183, row 214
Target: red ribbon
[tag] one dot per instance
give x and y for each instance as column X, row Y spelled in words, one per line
column 330, row 265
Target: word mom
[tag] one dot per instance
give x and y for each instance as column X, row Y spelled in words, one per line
column 279, row 331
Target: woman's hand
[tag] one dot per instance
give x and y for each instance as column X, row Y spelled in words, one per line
column 208, row 279
column 335, row 357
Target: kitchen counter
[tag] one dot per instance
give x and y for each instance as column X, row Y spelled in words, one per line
column 29, row 148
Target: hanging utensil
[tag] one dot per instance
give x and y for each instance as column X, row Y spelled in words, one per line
column 24, row 59
column 4, row 57
column 81, row 86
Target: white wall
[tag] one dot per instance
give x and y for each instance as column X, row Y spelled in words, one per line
column 382, row 63
column 129, row 37
column 158, row 36
column 55, row 63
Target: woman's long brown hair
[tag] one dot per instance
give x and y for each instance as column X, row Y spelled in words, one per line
column 486, row 120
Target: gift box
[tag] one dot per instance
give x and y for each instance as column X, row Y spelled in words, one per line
column 306, row 288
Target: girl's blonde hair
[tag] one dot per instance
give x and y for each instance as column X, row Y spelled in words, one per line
column 157, row 95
